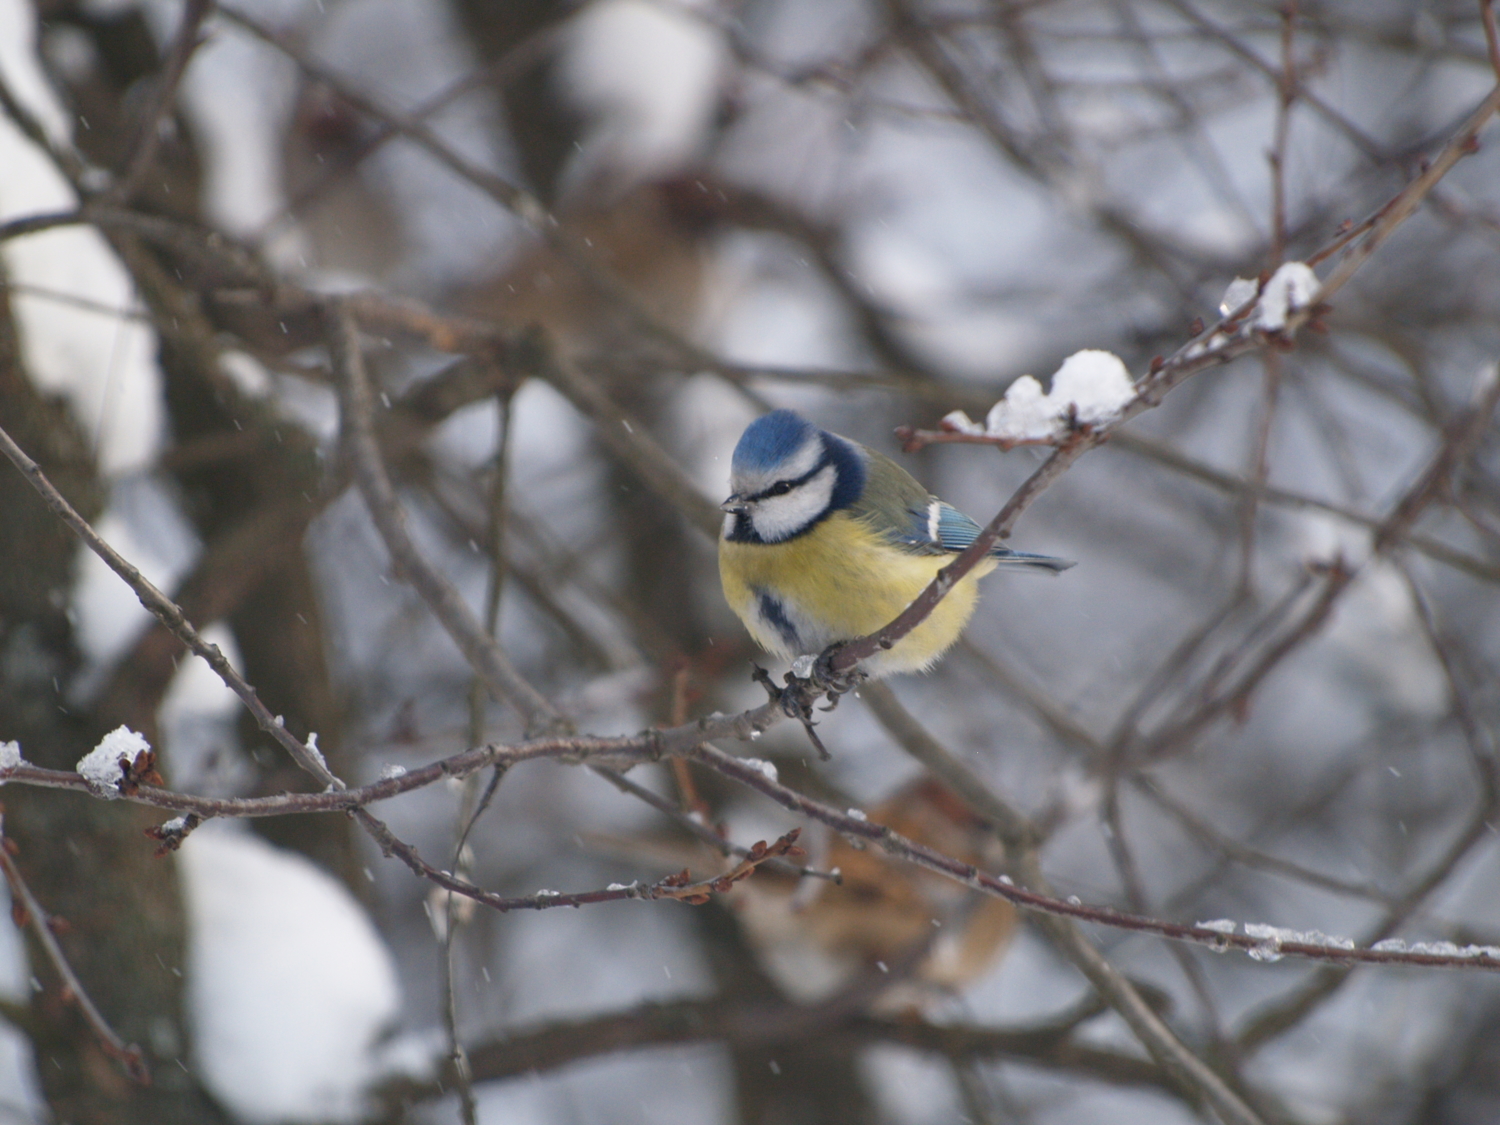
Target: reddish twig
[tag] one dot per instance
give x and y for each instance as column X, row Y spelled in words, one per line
column 689, row 742
column 680, row 887
column 1233, row 336
column 28, row 911
column 1263, row 943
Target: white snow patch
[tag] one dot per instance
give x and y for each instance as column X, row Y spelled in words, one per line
column 19, row 64
column 18, row 1067
column 10, row 755
column 1091, row 385
column 1436, row 949
column 1293, row 286
column 765, row 767
column 237, row 96
column 1241, row 290
column 1219, row 925
column 289, row 984
column 1094, row 381
column 107, row 614
column 100, row 767
column 311, row 745
column 961, row 423
column 1026, row 412
column 197, row 722
column 246, row 372
column 1272, row 938
column 648, row 77
column 103, row 362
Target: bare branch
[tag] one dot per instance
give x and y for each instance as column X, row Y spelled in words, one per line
column 447, row 606
column 164, row 90
column 30, row 912
column 544, row 1048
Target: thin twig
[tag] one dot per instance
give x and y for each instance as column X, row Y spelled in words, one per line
column 130, row 1056
column 1338, row 575
column 1263, row 946
column 446, row 604
column 1491, row 35
column 498, row 72
column 148, row 130
column 1286, row 90
column 1464, row 142
column 691, row 741
column 1164, row 455
column 547, row 1046
column 167, row 612
column 701, row 831
column 1223, row 342
column 473, row 808
column 849, row 654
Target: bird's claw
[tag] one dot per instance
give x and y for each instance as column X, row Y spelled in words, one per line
column 809, row 679
column 832, row 683
column 796, row 701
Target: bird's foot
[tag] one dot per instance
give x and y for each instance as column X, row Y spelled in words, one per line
column 796, row 700
column 828, row 680
column 811, row 678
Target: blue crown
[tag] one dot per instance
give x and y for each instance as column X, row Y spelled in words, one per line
column 770, row 440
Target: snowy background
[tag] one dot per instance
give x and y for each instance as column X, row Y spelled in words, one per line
column 873, row 213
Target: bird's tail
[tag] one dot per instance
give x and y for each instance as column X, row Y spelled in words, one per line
column 1025, row 560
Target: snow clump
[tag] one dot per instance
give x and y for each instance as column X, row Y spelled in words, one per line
column 100, row 767
column 1293, row 286
column 1091, row 386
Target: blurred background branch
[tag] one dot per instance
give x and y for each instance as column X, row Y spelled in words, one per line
column 572, row 249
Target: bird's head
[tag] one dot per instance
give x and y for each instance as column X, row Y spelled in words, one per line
column 787, row 475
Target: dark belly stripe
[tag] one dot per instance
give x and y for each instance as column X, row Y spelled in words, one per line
column 774, row 612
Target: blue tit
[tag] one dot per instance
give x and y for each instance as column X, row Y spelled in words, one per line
column 825, row 540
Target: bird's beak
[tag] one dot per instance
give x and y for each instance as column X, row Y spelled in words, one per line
column 735, row 504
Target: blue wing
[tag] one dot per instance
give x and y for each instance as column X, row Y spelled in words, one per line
column 940, row 528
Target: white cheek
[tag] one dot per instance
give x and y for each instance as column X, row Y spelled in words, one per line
column 777, row 517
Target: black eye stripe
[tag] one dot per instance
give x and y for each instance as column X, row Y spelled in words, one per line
column 782, row 487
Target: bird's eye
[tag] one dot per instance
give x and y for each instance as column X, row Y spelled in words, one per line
column 780, row 488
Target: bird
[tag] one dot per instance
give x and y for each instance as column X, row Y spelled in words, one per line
column 883, row 912
column 825, row 540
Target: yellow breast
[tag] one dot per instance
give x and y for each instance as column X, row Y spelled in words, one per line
column 837, row 582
